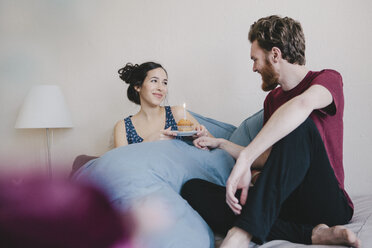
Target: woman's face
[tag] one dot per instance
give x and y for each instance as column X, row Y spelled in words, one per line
column 154, row 87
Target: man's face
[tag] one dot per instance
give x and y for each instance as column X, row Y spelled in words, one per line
column 263, row 66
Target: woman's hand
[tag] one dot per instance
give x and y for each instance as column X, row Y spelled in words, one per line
column 205, row 142
column 167, row 134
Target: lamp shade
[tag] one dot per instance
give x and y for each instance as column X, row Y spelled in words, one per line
column 44, row 107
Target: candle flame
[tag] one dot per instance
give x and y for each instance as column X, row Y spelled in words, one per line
column 184, row 111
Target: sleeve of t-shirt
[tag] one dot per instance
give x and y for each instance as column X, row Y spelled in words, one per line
column 267, row 110
column 332, row 81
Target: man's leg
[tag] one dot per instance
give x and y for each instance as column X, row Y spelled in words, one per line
column 291, row 179
column 209, row 200
column 336, row 235
column 297, row 184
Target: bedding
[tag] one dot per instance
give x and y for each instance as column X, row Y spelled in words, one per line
column 150, row 175
column 361, row 224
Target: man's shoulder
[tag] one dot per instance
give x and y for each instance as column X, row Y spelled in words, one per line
column 329, row 72
column 326, row 77
column 330, row 79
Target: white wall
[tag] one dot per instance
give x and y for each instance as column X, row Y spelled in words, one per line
column 80, row 45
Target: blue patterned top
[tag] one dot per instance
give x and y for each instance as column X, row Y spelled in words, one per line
column 132, row 135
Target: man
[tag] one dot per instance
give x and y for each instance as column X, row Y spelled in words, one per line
column 299, row 195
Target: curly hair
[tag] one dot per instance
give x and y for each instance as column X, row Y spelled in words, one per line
column 283, row 33
column 134, row 75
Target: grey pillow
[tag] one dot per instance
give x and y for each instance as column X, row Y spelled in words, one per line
column 248, row 129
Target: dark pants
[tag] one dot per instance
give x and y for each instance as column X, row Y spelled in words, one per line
column 296, row 190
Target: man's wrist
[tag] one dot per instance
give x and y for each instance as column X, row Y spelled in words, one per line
column 245, row 158
column 221, row 143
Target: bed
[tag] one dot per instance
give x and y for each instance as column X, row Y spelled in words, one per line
column 146, row 178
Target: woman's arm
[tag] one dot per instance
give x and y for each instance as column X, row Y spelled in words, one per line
column 120, row 135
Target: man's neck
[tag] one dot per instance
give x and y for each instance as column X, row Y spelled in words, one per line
column 291, row 75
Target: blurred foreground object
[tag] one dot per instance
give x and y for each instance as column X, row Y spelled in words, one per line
column 41, row 213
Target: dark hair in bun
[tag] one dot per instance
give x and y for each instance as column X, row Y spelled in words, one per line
column 134, row 75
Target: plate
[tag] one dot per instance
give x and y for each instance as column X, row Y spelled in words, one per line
column 187, row 133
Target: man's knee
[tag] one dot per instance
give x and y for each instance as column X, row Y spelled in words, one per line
column 309, row 124
column 303, row 138
column 190, row 188
column 307, row 129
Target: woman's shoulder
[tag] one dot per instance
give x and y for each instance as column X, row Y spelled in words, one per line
column 123, row 122
column 119, row 124
column 120, row 134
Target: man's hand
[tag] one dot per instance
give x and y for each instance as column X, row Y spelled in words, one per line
column 205, row 142
column 239, row 178
column 201, row 131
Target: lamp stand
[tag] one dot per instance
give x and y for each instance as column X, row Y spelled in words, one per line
column 49, row 168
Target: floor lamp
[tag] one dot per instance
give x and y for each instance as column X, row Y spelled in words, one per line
column 44, row 107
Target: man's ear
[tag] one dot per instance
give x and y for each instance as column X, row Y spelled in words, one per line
column 276, row 53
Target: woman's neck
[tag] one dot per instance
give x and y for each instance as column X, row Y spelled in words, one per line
column 150, row 113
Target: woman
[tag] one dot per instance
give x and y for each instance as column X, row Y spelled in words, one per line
column 148, row 88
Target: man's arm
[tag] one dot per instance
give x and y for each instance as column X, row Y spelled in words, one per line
column 232, row 148
column 284, row 120
column 287, row 118
column 235, row 150
column 205, row 142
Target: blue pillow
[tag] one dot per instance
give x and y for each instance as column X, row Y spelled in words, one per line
column 138, row 173
column 218, row 129
column 148, row 172
column 248, row 129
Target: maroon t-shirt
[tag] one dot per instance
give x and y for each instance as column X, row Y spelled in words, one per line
column 328, row 120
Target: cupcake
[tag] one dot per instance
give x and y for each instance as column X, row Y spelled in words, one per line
column 184, row 125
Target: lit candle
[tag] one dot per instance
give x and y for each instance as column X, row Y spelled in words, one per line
column 184, row 111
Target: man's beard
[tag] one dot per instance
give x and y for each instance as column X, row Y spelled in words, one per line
column 269, row 77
